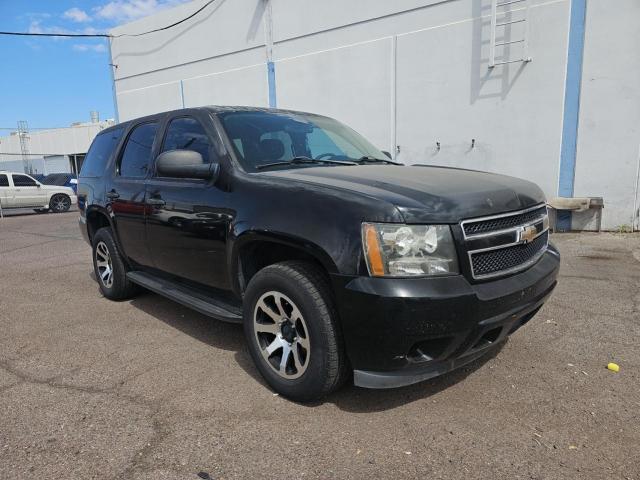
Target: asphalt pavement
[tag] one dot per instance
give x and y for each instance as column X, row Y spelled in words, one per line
column 146, row 388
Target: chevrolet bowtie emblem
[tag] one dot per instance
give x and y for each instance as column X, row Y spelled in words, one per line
column 528, row 233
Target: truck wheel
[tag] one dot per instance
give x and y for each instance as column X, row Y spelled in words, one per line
column 60, row 203
column 290, row 324
column 110, row 270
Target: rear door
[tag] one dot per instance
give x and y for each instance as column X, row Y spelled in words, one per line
column 27, row 192
column 126, row 194
column 187, row 219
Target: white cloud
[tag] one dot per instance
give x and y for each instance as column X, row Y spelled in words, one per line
column 36, row 27
column 129, row 10
column 76, row 15
column 88, row 47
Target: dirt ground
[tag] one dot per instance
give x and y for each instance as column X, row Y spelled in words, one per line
column 146, row 388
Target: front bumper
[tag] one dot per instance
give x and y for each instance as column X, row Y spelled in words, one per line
column 402, row 331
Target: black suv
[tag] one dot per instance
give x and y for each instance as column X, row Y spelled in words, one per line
column 336, row 259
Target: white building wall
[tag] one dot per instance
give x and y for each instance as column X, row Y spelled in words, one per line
column 408, row 75
column 608, row 149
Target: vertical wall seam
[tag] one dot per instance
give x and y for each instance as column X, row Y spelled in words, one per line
column 271, row 73
column 568, row 149
column 394, row 98
column 635, row 216
column 113, row 82
column 268, row 43
column 182, row 93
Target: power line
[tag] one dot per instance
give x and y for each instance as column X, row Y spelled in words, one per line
column 108, row 35
column 29, row 34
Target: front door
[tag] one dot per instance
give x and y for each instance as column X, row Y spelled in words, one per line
column 187, row 221
column 126, row 195
column 27, row 192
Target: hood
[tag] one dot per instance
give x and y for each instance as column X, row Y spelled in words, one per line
column 426, row 194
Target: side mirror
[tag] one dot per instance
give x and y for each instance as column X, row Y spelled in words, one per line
column 387, row 154
column 185, row 164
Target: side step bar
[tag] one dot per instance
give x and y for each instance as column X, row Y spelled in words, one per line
column 199, row 302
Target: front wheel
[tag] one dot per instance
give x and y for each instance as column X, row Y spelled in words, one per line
column 60, row 203
column 290, row 324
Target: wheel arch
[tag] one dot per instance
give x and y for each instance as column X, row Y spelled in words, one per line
column 254, row 250
column 97, row 219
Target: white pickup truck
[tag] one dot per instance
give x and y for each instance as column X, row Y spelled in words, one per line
column 18, row 190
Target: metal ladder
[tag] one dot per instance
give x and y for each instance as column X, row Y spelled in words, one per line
column 499, row 14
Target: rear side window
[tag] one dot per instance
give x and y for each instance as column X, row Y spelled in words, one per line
column 99, row 153
column 4, row 181
column 137, row 151
column 23, row 181
column 187, row 133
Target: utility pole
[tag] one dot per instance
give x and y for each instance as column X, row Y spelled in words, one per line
column 23, row 133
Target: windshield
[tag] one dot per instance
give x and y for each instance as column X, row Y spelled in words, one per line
column 261, row 138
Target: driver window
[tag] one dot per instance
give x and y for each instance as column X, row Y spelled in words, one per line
column 187, row 133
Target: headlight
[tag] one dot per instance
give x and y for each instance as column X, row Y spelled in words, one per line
column 408, row 250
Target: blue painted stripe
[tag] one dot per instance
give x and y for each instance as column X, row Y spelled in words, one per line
column 271, row 78
column 182, row 92
column 113, row 83
column 571, row 108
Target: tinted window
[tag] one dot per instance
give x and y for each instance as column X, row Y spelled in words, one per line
column 23, row 181
column 187, row 134
column 99, row 153
column 4, row 181
column 137, row 151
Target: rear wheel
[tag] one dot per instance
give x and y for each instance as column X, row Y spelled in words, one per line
column 109, row 267
column 60, row 203
column 291, row 327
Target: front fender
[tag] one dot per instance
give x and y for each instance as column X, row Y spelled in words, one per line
column 242, row 238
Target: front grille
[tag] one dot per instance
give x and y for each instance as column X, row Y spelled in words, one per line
column 506, row 243
column 502, row 223
column 508, row 258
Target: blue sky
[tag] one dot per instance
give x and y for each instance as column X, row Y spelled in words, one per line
column 51, row 82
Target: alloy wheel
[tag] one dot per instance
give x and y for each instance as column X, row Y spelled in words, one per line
column 282, row 335
column 61, row 203
column 103, row 262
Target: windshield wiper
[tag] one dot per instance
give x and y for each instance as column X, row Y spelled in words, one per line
column 369, row 158
column 301, row 160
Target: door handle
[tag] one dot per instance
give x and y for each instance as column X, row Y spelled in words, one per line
column 112, row 195
column 158, row 202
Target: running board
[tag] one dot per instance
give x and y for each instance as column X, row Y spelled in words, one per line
column 187, row 297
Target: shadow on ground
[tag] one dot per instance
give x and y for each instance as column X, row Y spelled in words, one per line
column 228, row 336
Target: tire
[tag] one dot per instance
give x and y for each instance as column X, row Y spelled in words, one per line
column 60, row 203
column 310, row 337
column 41, row 210
column 109, row 267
